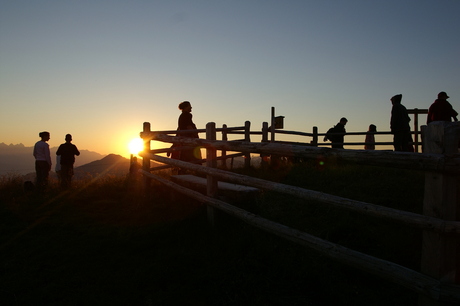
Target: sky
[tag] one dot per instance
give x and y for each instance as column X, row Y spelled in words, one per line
column 98, row 69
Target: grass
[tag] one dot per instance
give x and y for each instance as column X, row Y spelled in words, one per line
column 106, row 243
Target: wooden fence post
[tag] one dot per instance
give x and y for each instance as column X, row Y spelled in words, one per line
column 314, row 141
column 211, row 161
column 247, row 137
column 272, row 125
column 441, row 252
column 146, row 160
column 416, row 130
column 264, row 157
column 224, row 152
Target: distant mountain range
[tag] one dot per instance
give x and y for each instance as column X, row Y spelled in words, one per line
column 18, row 159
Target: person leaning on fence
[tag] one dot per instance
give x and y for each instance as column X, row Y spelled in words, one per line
column 42, row 161
column 67, row 151
column 441, row 110
column 338, row 139
column 370, row 138
column 399, row 125
column 185, row 122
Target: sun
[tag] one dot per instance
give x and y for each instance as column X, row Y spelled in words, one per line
column 136, row 145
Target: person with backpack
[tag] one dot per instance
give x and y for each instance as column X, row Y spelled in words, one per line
column 336, row 134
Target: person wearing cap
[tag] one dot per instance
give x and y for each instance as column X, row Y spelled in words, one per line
column 67, row 152
column 336, row 134
column 42, row 161
column 399, row 125
column 441, row 109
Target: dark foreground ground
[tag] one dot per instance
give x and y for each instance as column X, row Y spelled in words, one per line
column 103, row 244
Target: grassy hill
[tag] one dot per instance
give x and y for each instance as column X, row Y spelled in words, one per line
column 106, row 243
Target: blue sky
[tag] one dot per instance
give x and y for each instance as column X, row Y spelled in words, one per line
column 99, row 69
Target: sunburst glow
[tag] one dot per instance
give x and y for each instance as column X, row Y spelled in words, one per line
column 136, row 145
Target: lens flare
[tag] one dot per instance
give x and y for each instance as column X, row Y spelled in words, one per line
column 136, row 145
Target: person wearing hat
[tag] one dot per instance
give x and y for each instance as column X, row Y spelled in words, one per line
column 399, row 125
column 67, row 152
column 441, row 109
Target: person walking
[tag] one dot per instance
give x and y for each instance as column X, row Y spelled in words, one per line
column 67, row 152
column 441, row 109
column 336, row 134
column 399, row 124
column 42, row 161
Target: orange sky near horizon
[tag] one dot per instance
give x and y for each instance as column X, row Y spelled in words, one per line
column 132, row 62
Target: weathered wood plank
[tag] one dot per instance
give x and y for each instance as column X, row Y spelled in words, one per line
column 408, row 218
column 404, row 160
column 440, row 252
column 408, row 278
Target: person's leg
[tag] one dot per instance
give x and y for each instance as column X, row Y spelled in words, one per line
column 42, row 173
column 397, row 141
column 65, row 182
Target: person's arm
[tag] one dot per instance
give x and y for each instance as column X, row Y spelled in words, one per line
column 48, row 155
column 454, row 114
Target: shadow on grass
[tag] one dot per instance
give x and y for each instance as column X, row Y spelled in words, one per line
column 110, row 244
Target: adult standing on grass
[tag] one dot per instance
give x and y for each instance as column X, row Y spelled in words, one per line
column 42, row 161
column 441, row 109
column 399, row 124
column 67, row 152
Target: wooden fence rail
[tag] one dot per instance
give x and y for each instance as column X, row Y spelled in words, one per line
column 403, row 276
column 439, row 280
column 315, row 136
column 407, row 160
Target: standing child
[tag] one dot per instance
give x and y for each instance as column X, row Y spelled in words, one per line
column 370, row 138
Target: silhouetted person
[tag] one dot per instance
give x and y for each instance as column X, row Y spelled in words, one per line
column 399, row 124
column 370, row 138
column 42, row 161
column 441, row 109
column 134, row 167
column 67, row 151
column 339, row 129
column 185, row 122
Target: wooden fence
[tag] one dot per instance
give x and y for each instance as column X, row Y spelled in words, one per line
column 278, row 123
column 438, row 282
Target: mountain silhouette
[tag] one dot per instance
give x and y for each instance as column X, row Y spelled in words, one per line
column 112, row 164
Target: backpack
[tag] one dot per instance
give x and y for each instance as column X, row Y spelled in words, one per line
column 328, row 134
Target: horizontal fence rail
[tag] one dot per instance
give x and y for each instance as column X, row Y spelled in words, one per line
column 408, row 278
column 406, row 218
column 406, row 160
column 240, row 130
